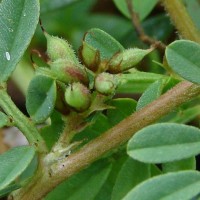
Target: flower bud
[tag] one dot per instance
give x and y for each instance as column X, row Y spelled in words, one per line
column 105, row 83
column 58, row 48
column 89, row 56
column 126, row 60
column 78, row 96
column 67, row 72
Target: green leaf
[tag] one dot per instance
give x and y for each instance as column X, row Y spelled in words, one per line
column 103, row 42
column 158, row 27
column 48, row 6
column 60, row 7
column 136, row 81
column 23, row 178
column 4, row 120
column 123, row 107
column 106, row 191
column 28, row 172
column 41, row 98
column 130, row 175
column 185, row 164
column 98, row 125
column 13, row 164
column 89, row 190
column 164, row 142
column 183, row 57
column 169, row 83
column 186, row 115
column 142, row 8
column 150, row 94
column 52, row 132
column 85, row 185
column 18, row 22
column 171, row 186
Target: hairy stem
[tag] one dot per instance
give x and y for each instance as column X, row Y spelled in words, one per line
column 21, row 121
column 73, row 125
column 114, row 137
column 182, row 20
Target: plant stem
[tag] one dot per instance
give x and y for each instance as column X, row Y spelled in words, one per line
column 140, row 31
column 114, row 137
column 73, row 125
column 182, row 20
column 21, row 121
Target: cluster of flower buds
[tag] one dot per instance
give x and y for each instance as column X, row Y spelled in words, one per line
column 102, row 57
column 63, row 61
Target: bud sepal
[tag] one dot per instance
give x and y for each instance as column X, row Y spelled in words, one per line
column 89, row 56
column 106, row 83
column 67, row 72
column 78, row 96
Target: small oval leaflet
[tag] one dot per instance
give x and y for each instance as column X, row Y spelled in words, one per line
column 181, row 185
column 41, row 98
column 183, row 57
column 13, row 163
column 103, row 42
column 164, row 142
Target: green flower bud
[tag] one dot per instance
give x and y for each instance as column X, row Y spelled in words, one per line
column 126, row 60
column 89, row 56
column 105, row 83
column 67, row 72
column 78, row 96
column 58, row 48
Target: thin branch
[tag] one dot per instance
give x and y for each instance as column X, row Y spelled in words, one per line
column 114, row 137
column 140, row 31
column 22, row 122
column 182, row 20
